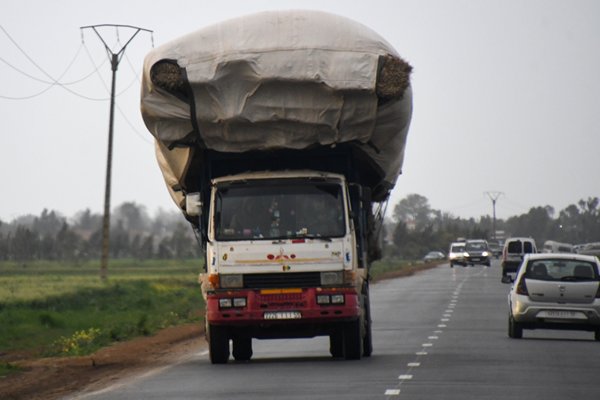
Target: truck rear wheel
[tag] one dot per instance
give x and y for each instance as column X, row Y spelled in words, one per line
column 368, row 338
column 352, row 340
column 218, row 344
column 242, row 347
column 336, row 344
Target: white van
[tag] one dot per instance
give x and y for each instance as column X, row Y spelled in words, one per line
column 550, row 246
column 512, row 254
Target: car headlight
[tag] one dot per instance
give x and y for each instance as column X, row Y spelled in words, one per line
column 332, row 278
column 231, row 281
column 465, row 254
column 485, row 254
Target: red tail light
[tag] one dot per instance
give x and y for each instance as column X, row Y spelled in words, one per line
column 522, row 287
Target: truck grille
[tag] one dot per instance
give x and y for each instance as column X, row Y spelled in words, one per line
column 285, row 280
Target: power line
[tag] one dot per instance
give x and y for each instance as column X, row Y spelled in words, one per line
column 57, row 82
column 123, row 115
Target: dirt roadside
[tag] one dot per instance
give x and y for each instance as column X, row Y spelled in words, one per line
column 59, row 377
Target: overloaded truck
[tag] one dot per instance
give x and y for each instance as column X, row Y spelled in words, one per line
column 280, row 136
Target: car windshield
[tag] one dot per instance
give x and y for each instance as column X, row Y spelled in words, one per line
column 279, row 210
column 516, row 246
column 561, row 270
column 476, row 246
column 457, row 248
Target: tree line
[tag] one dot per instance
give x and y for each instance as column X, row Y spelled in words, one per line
column 416, row 228
column 133, row 234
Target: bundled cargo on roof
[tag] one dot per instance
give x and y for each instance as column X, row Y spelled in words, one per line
column 287, row 85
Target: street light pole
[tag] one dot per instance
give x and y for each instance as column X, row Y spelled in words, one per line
column 115, row 58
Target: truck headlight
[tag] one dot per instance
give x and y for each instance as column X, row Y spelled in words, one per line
column 228, row 281
column 332, row 278
column 239, row 302
column 323, row 299
column 225, row 303
column 337, row 299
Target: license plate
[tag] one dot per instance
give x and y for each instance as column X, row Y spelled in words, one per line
column 283, row 315
column 561, row 314
column 476, row 259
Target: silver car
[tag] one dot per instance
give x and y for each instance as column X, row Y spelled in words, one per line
column 555, row 291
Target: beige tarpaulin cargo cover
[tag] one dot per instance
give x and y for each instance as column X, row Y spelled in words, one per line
column 277, row 80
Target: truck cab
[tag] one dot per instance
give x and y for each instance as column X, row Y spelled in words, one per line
column 284, row 260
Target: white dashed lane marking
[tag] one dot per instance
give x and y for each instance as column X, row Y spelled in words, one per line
column 445, row 318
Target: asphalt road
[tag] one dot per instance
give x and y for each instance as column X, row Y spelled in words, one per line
column 438, row 335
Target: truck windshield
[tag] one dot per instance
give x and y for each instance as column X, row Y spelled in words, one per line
column 279, row 210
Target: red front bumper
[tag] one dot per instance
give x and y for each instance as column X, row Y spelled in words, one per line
column 288, row 305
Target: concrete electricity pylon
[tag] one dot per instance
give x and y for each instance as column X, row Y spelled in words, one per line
column 114, row 58
column 493, row 195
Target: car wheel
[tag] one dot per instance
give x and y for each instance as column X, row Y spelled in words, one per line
column 515, row 330
column 597, row 335
column 451, row 265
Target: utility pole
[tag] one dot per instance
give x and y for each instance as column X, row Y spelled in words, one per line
column 114, row 58
column 494, row 197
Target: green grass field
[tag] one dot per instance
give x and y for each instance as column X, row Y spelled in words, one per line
column 59, row 309
column 51, row 308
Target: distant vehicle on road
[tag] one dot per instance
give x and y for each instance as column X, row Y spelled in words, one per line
column 550, row 246
column 477, row 252
column 456, row 254
column 495, row 249
column 555, row 291
column 434, row 255
column 512, row 254
column 590, row 249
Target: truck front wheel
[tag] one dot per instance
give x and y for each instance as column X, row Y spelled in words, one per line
column 352, row 340
column 242, row 347
column 218, row 344
column 336, row 343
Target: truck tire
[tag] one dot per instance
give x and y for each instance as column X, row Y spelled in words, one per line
column 368, row 338
column 353, row 342
column 336, row 344
column 242, row 347
column 218, row 344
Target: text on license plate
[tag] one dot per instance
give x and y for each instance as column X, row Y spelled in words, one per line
column 561, row 314
column 283, row 315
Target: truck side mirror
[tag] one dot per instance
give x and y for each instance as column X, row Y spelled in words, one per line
column 193, row 204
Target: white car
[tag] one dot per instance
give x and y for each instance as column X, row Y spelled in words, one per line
column 555, row 291
column 456, row 254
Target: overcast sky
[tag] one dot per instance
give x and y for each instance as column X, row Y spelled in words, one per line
column 506, row 99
